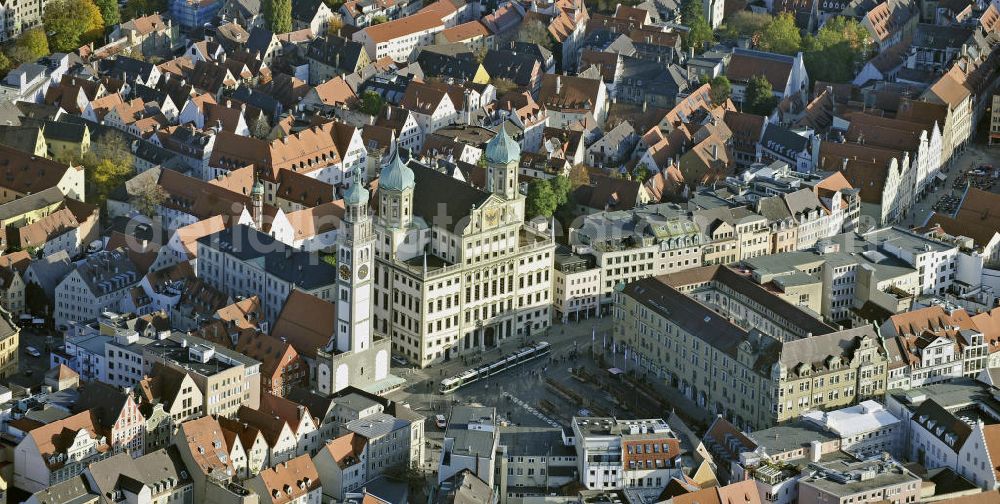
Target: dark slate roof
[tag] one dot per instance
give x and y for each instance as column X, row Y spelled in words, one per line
column 940, row 37
column 653, row 75
column 691, row 316
column 515, row 66
column 303, row 269
column 259, row 40
column 534, row 50
column 149, row 94
column 127, row 69
column 318, row 405
column 783, row 141
column 337, row 52
column 435, row 64
column 815, row 350
column 942, row 424
column 259, row 100
column 248, row 8
column 38, row 111
column 178, row 90
column 22, row 138
column 104, row 401
column 438, row 196
column 66, row 131
column 304, row 10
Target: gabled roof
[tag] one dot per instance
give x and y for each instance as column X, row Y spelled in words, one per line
column 346, row 450
column 745, row 63
column 160, row 468
column 269, row 425
column 145, row 25
column 290, row 481
column 207, row 447
column 466, row 31
column 948, row 90
column 305, row 10
column 423, row 98
column 306, row 322
column 335, row 91
column 435, row 64
column 942, row 424
column 58, row 436
column 25, row 173
column 402, row 27
column 566, row 92
column 338, row 52
column 450, row 195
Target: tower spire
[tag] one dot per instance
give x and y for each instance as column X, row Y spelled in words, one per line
column 257, row 201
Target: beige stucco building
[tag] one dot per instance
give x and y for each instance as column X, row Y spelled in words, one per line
column 738, row 351
column 457, row 269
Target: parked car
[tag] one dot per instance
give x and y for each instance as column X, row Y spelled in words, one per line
column 32, row 351
column 440, row 421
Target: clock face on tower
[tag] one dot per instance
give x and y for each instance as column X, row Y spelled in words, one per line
column 363, row 271
column 345, row 272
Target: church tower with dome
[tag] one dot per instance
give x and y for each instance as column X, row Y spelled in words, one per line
column 503, row 154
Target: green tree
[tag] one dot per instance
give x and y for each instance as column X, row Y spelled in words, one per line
column 561, row 188
column 642, row 172
column 259, row 128
column 31, row 45
column 759, row 98
column 503, row 85
column 372, row 103
column 72, row 23
column 108, row 165
column 833, row 54
column 109, row 11
column 746, row 23
column 700, row 31
column 541, row 201
column 534, row 32
column 5, row 64
column 781, row 35
column 579, row 176
column 721, row 89
column 147, row 199
column 138, row 8
column 335, row 25
column 278, row 14
column 379, row 20
column 35, row 299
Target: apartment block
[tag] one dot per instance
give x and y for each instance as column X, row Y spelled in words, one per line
column 740, row 352
column 954, row 425
column 93, row 286
column 576, row 285
column 226, row 379
column 241, row 261
column 533, row 462
column 865, row 430
column 934, row 344
column 470, row 444
column 638, row 243
column 859, row 481
column 625, row 454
